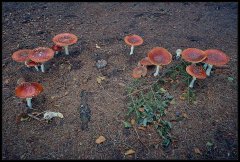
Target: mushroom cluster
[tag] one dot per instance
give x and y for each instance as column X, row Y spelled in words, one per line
column 38, row 57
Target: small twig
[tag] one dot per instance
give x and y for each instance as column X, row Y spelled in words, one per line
column 34, row 117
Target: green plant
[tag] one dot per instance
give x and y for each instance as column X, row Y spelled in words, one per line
column 148, row 106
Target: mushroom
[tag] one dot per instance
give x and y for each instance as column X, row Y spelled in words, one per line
column 133, row 40
column 56, row 48
column 41, row 55
column 23, row 56
column 178, row 52
column 145, row 62
column 196, row 72
column 30, row 63
column 28, row 90
column 214, row 57
column 193, row 55
column 159, row 56
column 64, row 40
column 139, row 71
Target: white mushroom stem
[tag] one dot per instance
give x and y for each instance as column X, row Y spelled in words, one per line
column 157, row 70
column 132, row 48
column 192, row 82
column 29, row 102
column 209, row 69
column 36, row 67
column 205, row 66
column 178, row 52
column 66, row 50
column 42, row 68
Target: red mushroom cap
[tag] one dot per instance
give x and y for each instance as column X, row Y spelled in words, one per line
column 65, row 39
column 145, row 61
column 193, row 55
column 196, row 71
column 139, row 71
column 28, row 90
column 159, row 56
column 216, row 57
column 133, row 40
column 31, row 63
column 56, row 48
column 21, row 55
column 41, row 54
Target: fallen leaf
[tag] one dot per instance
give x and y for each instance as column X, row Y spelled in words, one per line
column 100, row 139
column 122, row 84
column 184, row 115
column 129, row 152
column 133, row 122
column 142, row 128
column 141, row 109
column 197, row 151
column 100, row 79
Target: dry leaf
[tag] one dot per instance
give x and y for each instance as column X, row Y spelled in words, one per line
column 141, row 109
column 100, row 79
column 133, row 122
column 100, row 139
column 185, row 115
column 122, row 84
column 197, row 151
column 129, row 152
column 142, row 128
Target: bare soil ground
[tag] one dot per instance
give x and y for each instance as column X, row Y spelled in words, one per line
column 213, row 118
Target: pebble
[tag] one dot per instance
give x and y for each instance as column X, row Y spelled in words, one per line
column 101, row 63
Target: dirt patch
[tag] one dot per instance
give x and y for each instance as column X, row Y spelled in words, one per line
column 213, row 118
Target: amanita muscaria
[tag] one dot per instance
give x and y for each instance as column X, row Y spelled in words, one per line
column 133, row 40
column 23, row 56
column 193, row 55
column 159, row 56
column 41, row 55
column 28, row 90
column 64, row 40
column 197, row 72
column 214, row 57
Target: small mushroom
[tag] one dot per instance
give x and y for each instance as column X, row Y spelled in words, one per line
column 41, row 55
column 30, row 63
column 145, row 62
column 56, row 48
column 214, row 57
column 23, row 56
column 193, row 55
column 159, row 56
column 139, row 71
column 133, row 40
column 64, row 40
column 196, row 72
column 178, row 54
column 28, row 90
